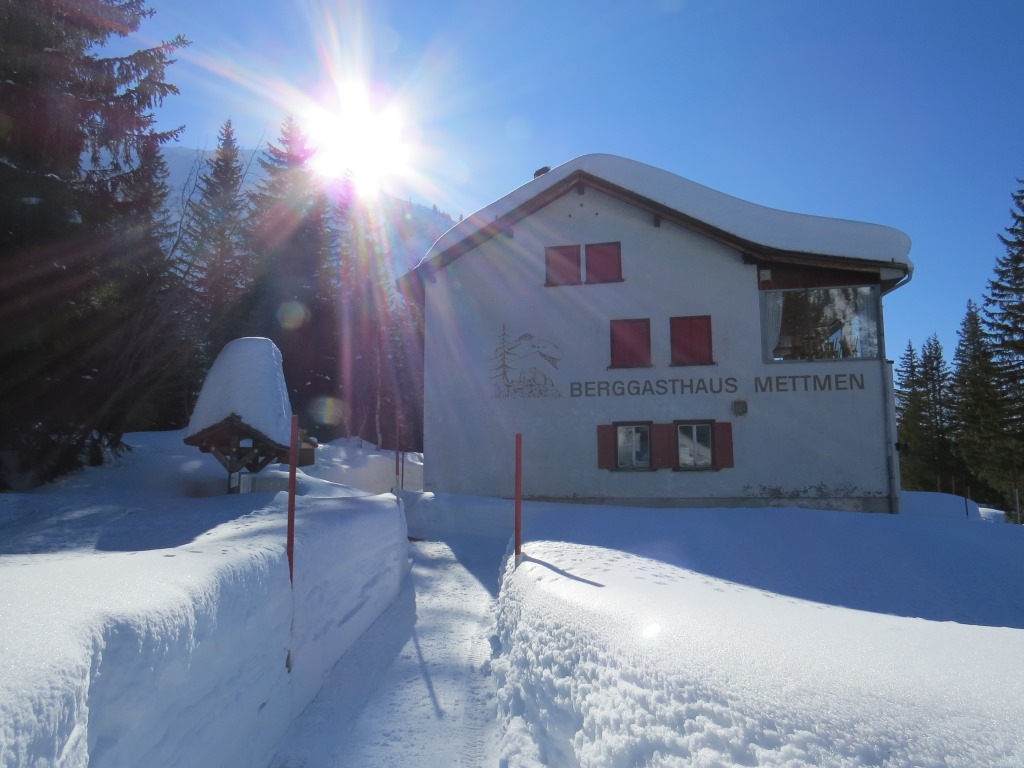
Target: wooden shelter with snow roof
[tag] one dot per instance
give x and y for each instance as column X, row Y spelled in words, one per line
column 658, row 342
column 242, row 416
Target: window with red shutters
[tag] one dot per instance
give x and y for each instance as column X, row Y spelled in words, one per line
column 604, row 263
column 607, row 449
column 562, row 263
column 663, row 446
column 691, row 340
column 722, row 445
column 681, row 445
column 631, row 343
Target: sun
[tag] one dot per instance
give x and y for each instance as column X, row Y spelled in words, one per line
column 359, row 139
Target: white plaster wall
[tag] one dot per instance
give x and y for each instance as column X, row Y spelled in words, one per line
column 810, row 445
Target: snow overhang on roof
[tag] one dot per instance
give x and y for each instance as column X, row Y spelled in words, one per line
column 760, row 233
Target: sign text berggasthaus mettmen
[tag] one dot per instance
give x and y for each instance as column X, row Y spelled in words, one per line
column 717, row 385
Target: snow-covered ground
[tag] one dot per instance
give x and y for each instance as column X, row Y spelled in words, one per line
column 148, row 617
column 148, row 620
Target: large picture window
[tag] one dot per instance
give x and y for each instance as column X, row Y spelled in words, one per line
column 631, row 343
column 820, row 323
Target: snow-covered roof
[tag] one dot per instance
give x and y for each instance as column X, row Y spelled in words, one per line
column 764, row 231
column 247, row 380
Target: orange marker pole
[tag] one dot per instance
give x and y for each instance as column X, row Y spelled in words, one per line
column 293, row 462
column 519, row 497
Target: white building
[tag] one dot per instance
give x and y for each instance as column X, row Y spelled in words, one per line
column 658, row 342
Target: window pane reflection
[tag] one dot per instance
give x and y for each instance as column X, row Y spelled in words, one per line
column 694, row 445
column 634, row 447
column 820, row 323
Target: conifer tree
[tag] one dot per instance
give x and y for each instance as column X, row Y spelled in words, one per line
column 937, row 421
column 80, row 190
column 910, row 420
column 142, row 348
column 216, row 256
column 365, row 321
column 1004, row 325
column 291, row 243
column 977, row 407
column 927, row 460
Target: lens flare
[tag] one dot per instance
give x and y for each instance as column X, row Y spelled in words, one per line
column 326, row 410
column 292, row 315
column 358, row 139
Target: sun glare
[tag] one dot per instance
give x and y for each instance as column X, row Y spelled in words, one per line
column 360, row 140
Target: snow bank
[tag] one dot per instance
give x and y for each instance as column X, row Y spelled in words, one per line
column 247, row 380
column 611, row 659
column 145, row 627
column 357, row 463
column 759, row 637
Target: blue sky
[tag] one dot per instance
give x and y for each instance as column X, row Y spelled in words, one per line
column 898, row 112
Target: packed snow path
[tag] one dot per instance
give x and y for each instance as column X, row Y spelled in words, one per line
column 415, row 689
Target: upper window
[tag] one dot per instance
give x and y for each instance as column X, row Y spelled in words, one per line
column 562, row 263
column 631, row 343
column 691, row 340
column 604, row 263
column 599, row 262
column 820, row 323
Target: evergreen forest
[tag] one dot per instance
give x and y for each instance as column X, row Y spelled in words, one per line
column 961, row 427
column 117, row 292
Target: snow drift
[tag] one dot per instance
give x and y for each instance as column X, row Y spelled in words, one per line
column 144, row 627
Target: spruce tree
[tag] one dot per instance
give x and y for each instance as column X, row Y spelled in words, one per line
column 217, row 262
column 944, row 469
column 80, row 193
column 914, row 467
column 1004, row 325
column 978, row 408
column 291, row 243
column 923, row 407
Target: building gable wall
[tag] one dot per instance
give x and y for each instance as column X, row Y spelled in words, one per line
column 504, row 353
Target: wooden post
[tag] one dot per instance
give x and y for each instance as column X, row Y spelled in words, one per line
column 293, row 462
column 519, row 497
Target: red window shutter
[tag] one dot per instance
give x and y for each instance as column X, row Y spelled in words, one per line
column 607, row 451
column 562, row 263
column 664, row 446
column 631, row 343
column 722, row 446
column 604, row 263
column 691, row 340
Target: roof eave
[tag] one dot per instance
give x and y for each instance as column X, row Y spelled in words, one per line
column 479, row 231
